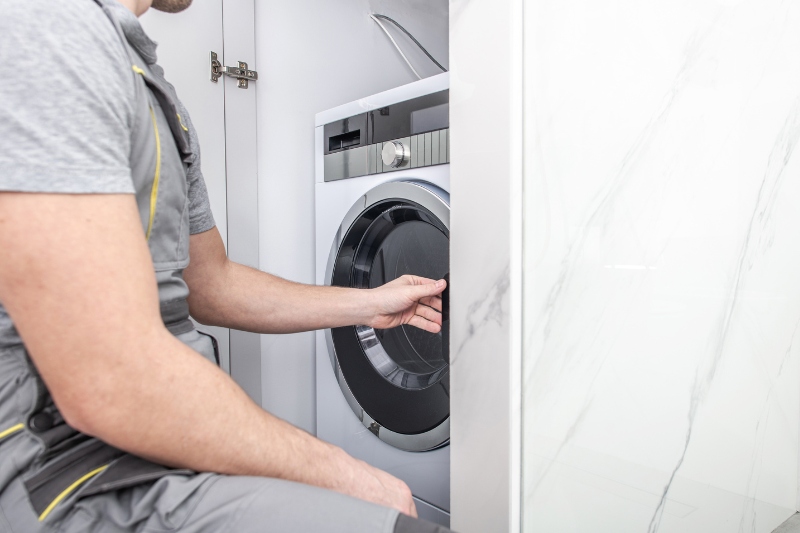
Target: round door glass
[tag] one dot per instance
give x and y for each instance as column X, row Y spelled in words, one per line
column 404, row 239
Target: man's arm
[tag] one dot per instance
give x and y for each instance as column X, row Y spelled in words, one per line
column 77, row 279
column 224, row 293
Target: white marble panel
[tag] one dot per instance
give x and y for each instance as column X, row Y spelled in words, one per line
column 661, row 277
column 485, row 259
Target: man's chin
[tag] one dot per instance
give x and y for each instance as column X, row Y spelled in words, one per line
column 171, row 6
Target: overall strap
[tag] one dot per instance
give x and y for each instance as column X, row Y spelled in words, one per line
column 174, row 313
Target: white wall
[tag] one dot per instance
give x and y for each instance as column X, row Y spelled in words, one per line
column 313, row 55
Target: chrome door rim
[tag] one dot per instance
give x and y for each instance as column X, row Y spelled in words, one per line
column 437, row 202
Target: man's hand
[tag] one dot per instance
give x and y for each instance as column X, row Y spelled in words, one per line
column 409, row 300
column 373, row 485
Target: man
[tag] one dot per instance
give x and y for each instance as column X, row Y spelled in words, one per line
column 109, row 402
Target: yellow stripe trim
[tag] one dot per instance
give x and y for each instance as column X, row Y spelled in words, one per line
column 66, row 492
column 156, row 178
column 181, row 121
column 10, row 431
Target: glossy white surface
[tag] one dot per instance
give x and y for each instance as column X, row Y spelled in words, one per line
column 485, row 259
column 662, row 295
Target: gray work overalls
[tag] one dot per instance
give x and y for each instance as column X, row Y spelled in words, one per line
column 38, row 451
column 53, row 478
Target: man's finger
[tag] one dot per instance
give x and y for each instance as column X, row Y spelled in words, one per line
column 433, row 288
column 418, row 280
column 434, row 302
column 419, row 322
column 428, row 314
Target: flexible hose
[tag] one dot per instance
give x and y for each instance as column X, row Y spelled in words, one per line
column 410, row 37
column 395, row 45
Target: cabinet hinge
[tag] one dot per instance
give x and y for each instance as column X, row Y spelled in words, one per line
column 241, row 73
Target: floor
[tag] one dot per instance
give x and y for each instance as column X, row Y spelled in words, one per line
column 790, row 526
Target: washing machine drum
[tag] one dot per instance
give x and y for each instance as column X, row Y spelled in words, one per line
column 395, row 380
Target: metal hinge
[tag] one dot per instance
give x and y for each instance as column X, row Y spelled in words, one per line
column 241, row 73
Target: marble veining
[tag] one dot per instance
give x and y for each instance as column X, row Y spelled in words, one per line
column 488, row 307
column 661, row 372
column 755, row 236
column 605, row 202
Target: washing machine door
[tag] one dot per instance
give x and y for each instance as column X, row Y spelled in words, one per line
column 395, row 380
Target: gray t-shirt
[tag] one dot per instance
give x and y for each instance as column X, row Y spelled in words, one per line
column 66, row 106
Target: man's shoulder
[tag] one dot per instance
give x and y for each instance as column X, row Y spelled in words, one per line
column 69, row 129
column 49, row 16
column 73, row 41
column 62, row 27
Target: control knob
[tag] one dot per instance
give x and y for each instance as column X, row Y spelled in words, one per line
column 393, row 154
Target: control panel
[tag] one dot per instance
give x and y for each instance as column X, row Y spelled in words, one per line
column 410, row 134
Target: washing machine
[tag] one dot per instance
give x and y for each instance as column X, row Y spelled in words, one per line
column 383, row 210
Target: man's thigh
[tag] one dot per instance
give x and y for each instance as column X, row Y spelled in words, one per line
column 211, row 503
column 256, row 505
column 276, row 505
